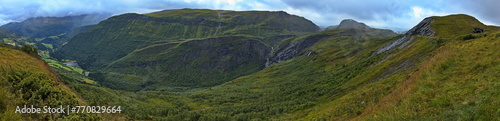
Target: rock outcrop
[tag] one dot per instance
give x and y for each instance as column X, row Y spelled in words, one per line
column 293, row 49
column 478, row 30
column 423, row 28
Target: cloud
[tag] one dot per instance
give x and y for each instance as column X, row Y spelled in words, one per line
column 485, row 10
column 389, row 14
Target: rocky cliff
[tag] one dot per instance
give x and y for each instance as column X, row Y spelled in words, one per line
column 423, row 28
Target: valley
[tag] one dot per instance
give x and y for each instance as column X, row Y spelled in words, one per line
column 201, row 64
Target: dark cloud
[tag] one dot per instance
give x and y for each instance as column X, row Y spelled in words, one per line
column 368, row 9
column 21, row 10
column 487, row 10
column 389, row 14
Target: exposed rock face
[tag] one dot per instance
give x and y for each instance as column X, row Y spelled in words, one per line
column 400, row 43
column 478, row 30
column 293, row 50
column 348, row 23
column 423, row 28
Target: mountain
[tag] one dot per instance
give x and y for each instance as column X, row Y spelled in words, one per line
column 444, row 68
column 13, row 39
column 41, row 27
column 348, row 23
column 450, row 26
column 228, row 44
column 295, row 47
column 55, row 42
column 27, row 80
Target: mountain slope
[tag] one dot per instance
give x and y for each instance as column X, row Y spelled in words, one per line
column 55, row 42
column 291, row 48
column 41, row 27
column 215, row 60
column 26, row 80
column 427, row 78
column 14, row 39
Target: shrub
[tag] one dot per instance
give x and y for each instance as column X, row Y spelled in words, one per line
column 30, row 51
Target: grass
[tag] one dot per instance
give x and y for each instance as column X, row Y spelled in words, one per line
column 56, row 64
column 27, row 80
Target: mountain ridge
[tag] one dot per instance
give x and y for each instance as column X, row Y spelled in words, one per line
column 348, row 23
column 52, row 26
column 444, row 68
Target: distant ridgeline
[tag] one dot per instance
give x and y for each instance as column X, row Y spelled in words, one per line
column 53, row 32
column 42, row 27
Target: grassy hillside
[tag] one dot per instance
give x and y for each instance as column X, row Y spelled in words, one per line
column 26, row 80
column 457, row 25
column 458, row 81
column 430, row 78
column 263, row 95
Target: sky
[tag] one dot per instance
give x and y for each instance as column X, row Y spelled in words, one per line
column 398, row 15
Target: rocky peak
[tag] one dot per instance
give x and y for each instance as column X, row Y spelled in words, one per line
column 423, row 28
column 348, row 23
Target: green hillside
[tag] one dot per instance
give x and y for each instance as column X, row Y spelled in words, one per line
column 457, row 25
column 10, row 38
column 14, row 39
column 186, row 64
column 262, row 95
column 27, row 80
